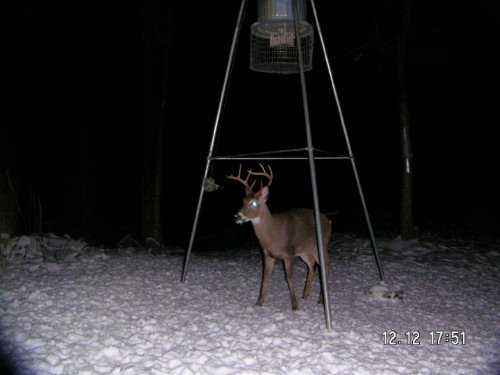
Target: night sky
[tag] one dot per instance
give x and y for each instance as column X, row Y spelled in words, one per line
column 73, row 69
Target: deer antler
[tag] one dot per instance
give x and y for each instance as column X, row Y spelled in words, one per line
column 269, row 176
column 248, row 188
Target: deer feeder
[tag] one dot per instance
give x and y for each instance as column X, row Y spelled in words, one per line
column 273, row 41
column 282, row 43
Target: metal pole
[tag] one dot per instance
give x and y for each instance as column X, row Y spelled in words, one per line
column 351, row 156
column 230, row 62
column 312, row 169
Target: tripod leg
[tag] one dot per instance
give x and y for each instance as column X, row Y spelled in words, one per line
column 227, row 75
column 312, row 169
column 348, row 143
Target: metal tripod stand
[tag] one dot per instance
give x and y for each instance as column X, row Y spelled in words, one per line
column 311, row 154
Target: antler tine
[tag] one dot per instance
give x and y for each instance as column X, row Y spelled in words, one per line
column 248, row 188
column 269, row 176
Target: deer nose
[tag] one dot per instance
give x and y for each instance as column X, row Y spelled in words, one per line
column 238, row 218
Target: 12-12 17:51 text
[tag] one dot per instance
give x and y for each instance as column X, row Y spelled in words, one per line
column 434, row 337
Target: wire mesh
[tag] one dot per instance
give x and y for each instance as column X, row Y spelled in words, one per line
column 273, row 47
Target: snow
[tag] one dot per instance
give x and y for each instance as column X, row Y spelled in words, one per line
column 124, row 311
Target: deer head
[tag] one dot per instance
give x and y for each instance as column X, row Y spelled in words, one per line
column 254, row 203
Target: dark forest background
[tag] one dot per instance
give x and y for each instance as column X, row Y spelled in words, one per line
column 109, row 107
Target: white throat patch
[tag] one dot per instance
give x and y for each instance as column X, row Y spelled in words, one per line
column 255, row 220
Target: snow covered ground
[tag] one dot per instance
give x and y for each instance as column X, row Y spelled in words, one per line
column 125, row 312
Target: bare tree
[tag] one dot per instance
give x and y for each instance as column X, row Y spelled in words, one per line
column 156, row 62
column 10, row 212
column 406, row 206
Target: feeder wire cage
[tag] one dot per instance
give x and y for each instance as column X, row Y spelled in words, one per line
column 273, row 45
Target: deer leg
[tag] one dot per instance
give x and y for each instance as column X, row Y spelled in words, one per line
column 311, row 263
column 289, row 280
column 266, row 277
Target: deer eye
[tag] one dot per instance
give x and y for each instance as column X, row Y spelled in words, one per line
column 254, row 203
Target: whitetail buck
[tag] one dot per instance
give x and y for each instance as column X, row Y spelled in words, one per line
column 283, row 235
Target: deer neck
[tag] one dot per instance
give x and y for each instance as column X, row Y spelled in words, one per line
column 264, row 225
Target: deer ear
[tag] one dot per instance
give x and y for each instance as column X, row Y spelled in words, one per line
column 264, row 193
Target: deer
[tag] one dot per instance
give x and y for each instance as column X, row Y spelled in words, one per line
column 284, row 235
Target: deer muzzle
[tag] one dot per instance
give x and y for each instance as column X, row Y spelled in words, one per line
column 239, row 218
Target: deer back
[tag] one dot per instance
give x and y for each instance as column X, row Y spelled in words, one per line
column 291, row 232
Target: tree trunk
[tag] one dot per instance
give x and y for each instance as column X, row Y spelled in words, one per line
column 84, row 200
column 151, row 144
column 9, row 212
column 406, row 213
column 156, row 48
